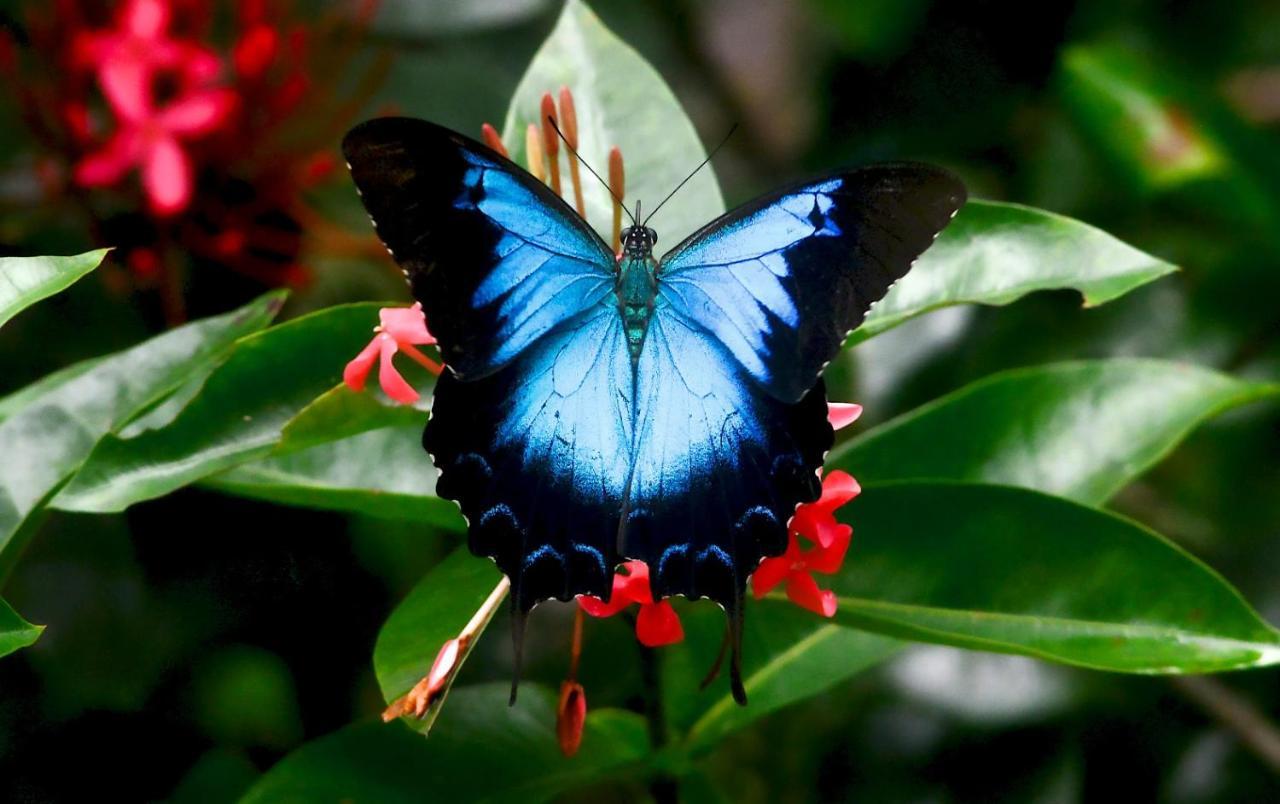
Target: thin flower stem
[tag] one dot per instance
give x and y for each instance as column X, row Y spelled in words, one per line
column 431, row 688
column 1259, row 735
column 430, row 365
column 485, row 613
column 663, row 787
column 575, row 652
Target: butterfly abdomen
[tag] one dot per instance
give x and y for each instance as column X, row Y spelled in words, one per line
column 637, row 287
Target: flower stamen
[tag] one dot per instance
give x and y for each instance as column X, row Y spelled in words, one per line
column 551, row 141
column 617, row 188
column 569, row 126
column 533, row 152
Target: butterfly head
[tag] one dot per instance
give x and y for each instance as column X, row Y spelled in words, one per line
column 638, row 241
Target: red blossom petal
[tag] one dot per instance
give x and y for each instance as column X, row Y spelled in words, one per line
column 108, row 164
column 571, row 716
column 145, row 19
column 406, row 324
column 443, row 666
column 199, row 65
column 166, row 175
column 392, row 383
column 126, row 82
column 825, row 531
column 770, row 573
column 803, row 590
column 828, row 558
column 634, row 586
column 256, row 50
column 197, row 113
column 842, row 414
column 598, row 608
column 658, row 624
column 838, row 488
column 357, row 371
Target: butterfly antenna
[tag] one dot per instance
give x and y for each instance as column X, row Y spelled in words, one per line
column 552, row 122
column 700, row 166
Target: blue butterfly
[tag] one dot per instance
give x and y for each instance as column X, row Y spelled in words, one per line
column 600, row 407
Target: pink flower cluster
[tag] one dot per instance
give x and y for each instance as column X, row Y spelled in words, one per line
column 162, row 91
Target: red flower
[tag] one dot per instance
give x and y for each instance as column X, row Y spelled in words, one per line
column 149, row 139
column 128, row 56
column 656, row 624
column 400, row 330
column 571, row 716
column 842, row 414
column 816, row 522
column 128, row 59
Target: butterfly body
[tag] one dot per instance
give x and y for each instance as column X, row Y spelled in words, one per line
column 598, row 407
column 637, row 288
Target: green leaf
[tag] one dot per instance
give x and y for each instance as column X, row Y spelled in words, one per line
column 789, row 655
column 428, row 19
column 24, row 396
column 26, row 280
column 1077, row 430
column 384, row 473
column 1015, row 571
column 47, row 440
column 245, row 410
column 995, row 253
column 481, row 751
column 620, row 100
column 15, row 632
column 437, row 609
column 1166, row 135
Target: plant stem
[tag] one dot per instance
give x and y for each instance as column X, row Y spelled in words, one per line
column 1259, row 735
column 663, row 787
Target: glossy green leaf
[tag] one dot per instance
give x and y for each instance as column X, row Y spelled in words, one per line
column 27, row 394
column 437, row 609
column 1016, row 571
column 432, row 19
column 789, row 655
column 1077, row 430
column 26, row 280
column 383, row 473
column 243, row 412
column 15, row 632
column 47, row 440
column 481, row 751
column 996, row 253
column 621, row 101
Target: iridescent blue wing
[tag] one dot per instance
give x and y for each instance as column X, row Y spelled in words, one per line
column 782, row 281
column 731, row 413
column 496, row 258
column 719, row 467
column 538, row 455
column 531, row 423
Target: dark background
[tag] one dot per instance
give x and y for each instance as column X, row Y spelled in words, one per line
column 195, row 640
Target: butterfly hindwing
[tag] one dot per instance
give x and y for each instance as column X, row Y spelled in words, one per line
column 783, row 280
column 496, row 258
column 537, row 456
column 719, row 466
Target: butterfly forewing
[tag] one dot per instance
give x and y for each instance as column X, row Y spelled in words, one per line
column 783, row 280
column 496, row 259
column 531, row 424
